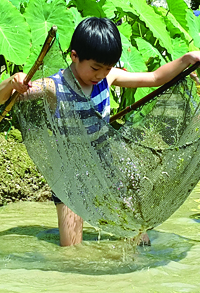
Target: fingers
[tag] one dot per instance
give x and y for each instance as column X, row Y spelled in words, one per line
column 18, row 82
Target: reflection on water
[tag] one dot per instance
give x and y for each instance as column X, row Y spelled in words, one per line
column 30, row 252
column 93, row 257
column 196, row 217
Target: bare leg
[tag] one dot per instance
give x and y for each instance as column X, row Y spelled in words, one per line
column 70, row 226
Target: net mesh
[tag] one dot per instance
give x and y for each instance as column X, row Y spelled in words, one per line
column 122, row 181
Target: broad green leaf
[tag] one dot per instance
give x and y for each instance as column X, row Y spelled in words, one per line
column 180, row 48
column 125, row 29
column 139, row 29
column 178, row 8
column 111, row 6
column 131, row 57
column 48, row 67
column 41, row 16
column 77, row 18
column 148, row 51
column 173, row 26
column 31, row 59
column 154, row 22
column 109, row 9
column 125, row 5
column 193, row 27
column 4, row 76
column 128, row 97
column 14, row 34
column 16, row 3
column 113, row 104
column 198, row 23
column 89, row 8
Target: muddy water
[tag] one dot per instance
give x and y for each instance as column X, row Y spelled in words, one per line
column 31, row 259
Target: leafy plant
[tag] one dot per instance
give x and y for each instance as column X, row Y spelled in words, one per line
column 151, row 36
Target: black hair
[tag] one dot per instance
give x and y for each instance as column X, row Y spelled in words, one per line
column 97, row 39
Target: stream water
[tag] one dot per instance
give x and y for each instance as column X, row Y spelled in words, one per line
column 31, row 259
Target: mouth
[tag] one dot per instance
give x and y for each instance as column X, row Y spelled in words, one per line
column 94, row 82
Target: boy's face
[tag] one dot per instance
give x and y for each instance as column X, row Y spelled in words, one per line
column 88, row 72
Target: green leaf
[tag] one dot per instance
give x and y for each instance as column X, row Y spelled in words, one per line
column 41, row 16
column 198, row 22
column 193, row 27
column 109, row 9
column 112, row 6
column 90, row 8
column 148, row 51
column 77, row 18
column 4, row 76
column 178, row 8
column 125, row 6
column 139, row 29
column 180, row 48
column 14, row 34
column 131, row 57
column 16, row 3
column 125, row 29
column 113, row 104
column 173, row 26
column 31, row 59
column 154, row 22
column 128, row 96
column 48, row 67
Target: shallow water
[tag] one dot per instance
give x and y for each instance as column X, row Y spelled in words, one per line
column 31, row 259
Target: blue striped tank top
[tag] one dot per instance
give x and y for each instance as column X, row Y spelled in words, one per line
column 70, row 102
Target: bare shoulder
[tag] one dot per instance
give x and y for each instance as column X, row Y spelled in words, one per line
column 41, row 88
column 43, row 85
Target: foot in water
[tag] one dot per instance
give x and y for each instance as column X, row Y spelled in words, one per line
column 144, row 240
column 141, row 240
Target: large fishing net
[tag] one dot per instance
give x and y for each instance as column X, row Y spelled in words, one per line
column 122, row 181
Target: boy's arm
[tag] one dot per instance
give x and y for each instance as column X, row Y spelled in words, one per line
column 160, row 76
column 39, row 88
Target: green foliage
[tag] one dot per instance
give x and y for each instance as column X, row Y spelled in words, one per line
column 151, row 36
column 13, row 29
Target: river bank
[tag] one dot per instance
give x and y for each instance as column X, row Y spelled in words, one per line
column 20, row 179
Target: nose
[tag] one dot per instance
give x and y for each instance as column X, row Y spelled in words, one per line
column 101, row 74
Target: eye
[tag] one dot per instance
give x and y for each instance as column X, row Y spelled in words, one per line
column 94, row 68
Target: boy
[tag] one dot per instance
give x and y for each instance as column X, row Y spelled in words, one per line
column 95, row 48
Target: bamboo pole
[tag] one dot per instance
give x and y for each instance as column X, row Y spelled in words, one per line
column 11, row 101
column 155, row 93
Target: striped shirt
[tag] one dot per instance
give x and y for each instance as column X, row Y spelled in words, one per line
column 71, row 105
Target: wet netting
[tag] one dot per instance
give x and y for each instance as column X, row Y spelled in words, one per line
column 122, row 181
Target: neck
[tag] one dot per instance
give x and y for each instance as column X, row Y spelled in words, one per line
column 75, row 85
column 87, row 89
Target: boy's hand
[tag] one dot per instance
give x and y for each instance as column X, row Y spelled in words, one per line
column 192, row 57
column 17, row 82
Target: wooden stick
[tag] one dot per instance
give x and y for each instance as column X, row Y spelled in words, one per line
column 11, row 101
column 155, row 93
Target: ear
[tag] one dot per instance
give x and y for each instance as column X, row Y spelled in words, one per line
column 74, row 56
